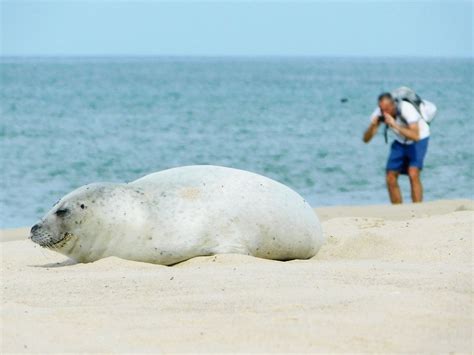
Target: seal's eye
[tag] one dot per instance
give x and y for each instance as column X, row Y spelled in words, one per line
column 82, row 206
column 62, row 212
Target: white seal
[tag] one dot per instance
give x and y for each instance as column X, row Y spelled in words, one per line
column 180, row 213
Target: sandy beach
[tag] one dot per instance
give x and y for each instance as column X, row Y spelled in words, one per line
column 388, row 279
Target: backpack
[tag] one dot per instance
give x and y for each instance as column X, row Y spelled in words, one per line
column 425, row 108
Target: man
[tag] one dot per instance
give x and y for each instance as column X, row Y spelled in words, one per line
column 408, row 150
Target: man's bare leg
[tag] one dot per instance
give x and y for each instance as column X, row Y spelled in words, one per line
column 415, row 183
column 393, row 188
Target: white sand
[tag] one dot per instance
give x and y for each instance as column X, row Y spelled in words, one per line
column 389, row 279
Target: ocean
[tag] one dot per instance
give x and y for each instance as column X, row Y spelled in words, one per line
column 66, row 122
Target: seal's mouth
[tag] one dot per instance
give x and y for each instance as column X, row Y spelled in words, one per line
column 45, row 240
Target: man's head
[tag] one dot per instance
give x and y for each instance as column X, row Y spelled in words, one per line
column 387, row 104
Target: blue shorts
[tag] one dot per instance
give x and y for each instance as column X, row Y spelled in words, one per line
column 403, row 156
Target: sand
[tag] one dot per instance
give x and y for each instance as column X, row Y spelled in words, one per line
column 389, row 279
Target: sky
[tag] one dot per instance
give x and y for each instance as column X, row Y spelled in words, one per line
column 251, row 28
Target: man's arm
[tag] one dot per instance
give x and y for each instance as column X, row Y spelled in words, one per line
column 411, row 132
column 372, row 130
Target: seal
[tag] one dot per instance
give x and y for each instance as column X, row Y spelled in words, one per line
column 180, row 213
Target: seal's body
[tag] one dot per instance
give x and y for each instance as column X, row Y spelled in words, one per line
column 180, row 213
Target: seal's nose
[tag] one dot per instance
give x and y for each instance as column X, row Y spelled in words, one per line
column 34, row 228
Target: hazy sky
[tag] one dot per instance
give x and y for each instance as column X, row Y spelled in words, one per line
column 354, row 28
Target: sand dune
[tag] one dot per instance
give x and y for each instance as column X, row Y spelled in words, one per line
column 389, row 279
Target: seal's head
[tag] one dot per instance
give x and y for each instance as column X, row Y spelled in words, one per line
column 87, row 218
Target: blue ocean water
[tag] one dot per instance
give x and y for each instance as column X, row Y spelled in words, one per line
column 66, row 122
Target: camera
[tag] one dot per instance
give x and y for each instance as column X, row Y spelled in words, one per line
column 381, row 119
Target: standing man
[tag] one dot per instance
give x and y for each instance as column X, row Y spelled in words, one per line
column 407, row 152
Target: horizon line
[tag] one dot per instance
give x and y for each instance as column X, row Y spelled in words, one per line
column 315, row 56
